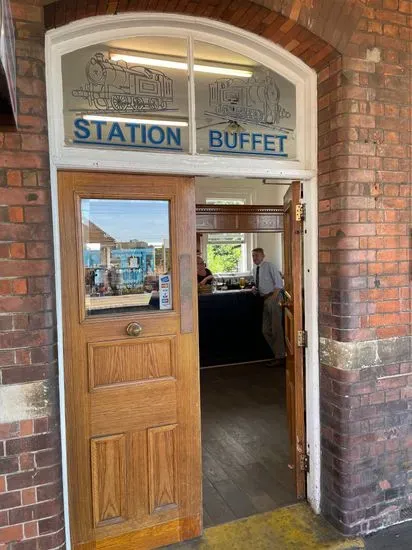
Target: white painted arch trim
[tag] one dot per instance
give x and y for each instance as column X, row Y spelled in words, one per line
column 95, row 30
column 100, row 29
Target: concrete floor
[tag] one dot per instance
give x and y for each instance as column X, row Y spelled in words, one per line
column 294, row 527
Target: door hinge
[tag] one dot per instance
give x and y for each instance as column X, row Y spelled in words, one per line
column 300, row 212
column 304, row 463
column 302, row 339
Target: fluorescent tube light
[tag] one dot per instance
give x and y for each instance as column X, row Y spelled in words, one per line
column 271, row 181
column 149, row 61
column 165, row 63
column 222, row 70
column 179, row 123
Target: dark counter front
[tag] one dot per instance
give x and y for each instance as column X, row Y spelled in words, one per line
column 230, row 328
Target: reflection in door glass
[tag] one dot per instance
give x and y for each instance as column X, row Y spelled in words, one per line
column 126, row 255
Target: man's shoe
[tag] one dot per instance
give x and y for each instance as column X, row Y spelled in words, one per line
column 274, row 363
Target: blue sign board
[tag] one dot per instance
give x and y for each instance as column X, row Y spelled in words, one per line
column 152, row 136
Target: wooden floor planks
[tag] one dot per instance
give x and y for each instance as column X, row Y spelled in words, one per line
column 245, row 446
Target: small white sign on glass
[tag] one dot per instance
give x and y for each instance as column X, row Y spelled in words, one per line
column 165, row 291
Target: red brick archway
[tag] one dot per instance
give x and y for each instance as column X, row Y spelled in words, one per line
column 288, row 26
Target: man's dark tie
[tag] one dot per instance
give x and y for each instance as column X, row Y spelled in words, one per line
column 257, row 277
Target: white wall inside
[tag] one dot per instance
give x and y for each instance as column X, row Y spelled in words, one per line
column 272, row 243
column 225, row 188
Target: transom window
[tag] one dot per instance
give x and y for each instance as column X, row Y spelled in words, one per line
column 168, row 94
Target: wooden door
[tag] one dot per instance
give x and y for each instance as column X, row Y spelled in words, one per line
column 293, row 315
column 131, row 368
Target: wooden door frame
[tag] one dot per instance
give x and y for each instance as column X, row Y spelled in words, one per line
column 312, row 360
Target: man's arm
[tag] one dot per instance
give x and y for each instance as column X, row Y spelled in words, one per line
column 275, row 276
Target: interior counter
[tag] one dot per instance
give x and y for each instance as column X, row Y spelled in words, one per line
column 230, row 328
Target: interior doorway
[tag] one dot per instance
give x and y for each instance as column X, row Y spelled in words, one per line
column 249, row 417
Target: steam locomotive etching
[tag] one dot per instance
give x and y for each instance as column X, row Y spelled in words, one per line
column 255, row 100
column 119, row 86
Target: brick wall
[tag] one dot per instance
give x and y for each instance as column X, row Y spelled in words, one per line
column 30, row 502
column 364, row 218
column 364, row 272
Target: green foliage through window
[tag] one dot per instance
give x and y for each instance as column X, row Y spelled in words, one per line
column 223, row 258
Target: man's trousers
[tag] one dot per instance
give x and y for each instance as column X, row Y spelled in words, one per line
column 272, row 326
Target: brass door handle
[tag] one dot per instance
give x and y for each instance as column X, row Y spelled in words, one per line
column 133, row 329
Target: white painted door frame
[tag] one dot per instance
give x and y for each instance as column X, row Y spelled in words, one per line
column 96, row 30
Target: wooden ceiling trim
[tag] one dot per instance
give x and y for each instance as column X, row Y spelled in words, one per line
column 223, row 218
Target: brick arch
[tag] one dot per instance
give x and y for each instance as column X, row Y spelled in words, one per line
column 285, row 28
column 334, row 20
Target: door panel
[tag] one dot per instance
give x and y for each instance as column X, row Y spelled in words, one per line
column 162, row 468
column 126, row 361
column 108, row 456
column 132, row 399
column 293, row 315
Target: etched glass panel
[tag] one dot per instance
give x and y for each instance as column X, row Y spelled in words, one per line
column 242, row 107
column 126, row 255
column 130, row 94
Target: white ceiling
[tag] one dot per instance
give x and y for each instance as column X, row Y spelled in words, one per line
column 238, row 182
column 216, row 183
column 247, row 188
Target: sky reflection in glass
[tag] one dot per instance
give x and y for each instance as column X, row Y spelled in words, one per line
column 127, row 220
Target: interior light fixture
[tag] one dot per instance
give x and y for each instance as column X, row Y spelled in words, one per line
column 222, row 70
column 149, row 61
column 166, row 63
column 272, row 181
column 178, row 123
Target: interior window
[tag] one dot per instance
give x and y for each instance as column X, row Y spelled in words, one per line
column 227, row 253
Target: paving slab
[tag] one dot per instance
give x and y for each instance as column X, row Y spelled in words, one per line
column 397, row 537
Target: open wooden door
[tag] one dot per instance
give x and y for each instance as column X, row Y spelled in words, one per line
column 130, row 359
column 293, row 314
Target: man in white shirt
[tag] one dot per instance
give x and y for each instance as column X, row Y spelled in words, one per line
column 268, row 283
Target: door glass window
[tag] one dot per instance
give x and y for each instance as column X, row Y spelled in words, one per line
column 126, row 255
